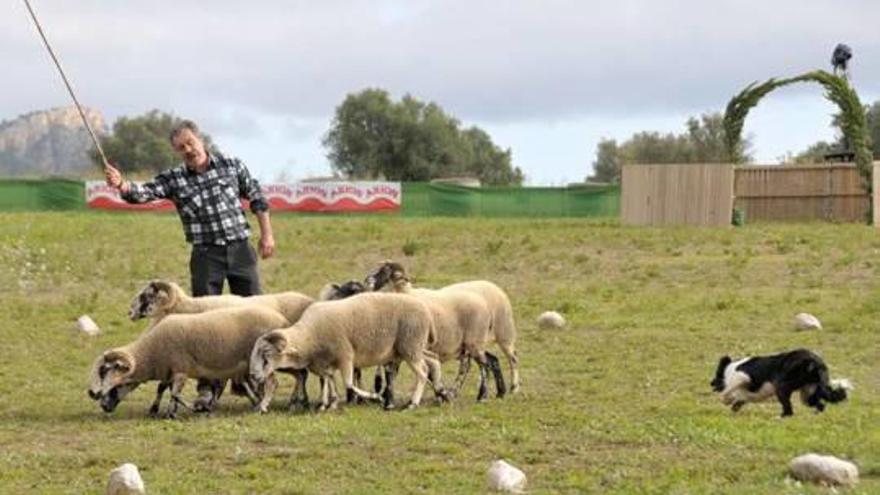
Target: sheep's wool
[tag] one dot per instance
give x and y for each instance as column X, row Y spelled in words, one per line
column 125, row 480
column 806, row 321
column 504, row 477
column 87, row 325
column 824, row 469
column 551, row 319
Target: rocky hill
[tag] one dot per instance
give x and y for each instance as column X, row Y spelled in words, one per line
column 50, row 142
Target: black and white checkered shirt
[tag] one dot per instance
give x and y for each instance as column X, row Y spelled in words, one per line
column 209, row 203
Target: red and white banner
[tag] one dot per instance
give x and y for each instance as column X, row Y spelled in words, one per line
column 301, row 196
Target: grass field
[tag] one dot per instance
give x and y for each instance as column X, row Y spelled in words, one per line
column 618, row 402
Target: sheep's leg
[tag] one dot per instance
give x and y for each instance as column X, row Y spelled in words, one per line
column 329, row 396
column 464, row 367
column 495, row 368
column 350, row 396
column 377, row 379
column 160, row 391
column 513, row 360
column 267, row 390
column 388, row 394
column 434, row 371
column 351, row 390
column 250, row 394
column 418, row 367
column 483, row 391
column 300, row 396
column 177, row 383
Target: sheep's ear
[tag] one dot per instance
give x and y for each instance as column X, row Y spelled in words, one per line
column 276, row 340
column 163, row 290
column 119, row 360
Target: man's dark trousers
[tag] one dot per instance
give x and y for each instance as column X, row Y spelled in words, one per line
column 210, row 265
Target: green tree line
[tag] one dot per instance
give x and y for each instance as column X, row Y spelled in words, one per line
column 370, row 137
column 703, row 142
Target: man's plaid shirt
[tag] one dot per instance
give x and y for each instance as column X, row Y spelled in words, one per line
column 209, row 204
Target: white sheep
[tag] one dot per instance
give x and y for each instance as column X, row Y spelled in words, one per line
column 368, row 329
column 215, row 345
column 461, row 322
column 160, row 298
column 502, row 328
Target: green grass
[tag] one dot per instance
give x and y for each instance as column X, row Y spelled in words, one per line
column 618, row 402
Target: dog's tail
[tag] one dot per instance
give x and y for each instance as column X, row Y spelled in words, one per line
column 833, row 390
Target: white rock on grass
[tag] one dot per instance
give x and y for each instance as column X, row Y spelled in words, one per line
column 824, row 470
column 87, row 325
column 806, row 321
column 505, row 478
column 126, row 480
column 551, row 320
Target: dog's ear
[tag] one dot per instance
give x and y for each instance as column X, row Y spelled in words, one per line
column 724, row 361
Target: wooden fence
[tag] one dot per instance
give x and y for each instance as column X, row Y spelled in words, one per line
column 692, row 194
column 830, row 192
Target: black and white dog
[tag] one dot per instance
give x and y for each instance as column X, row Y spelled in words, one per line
column 754, row 379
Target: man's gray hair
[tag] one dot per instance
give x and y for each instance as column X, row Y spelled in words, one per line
column 181, row 126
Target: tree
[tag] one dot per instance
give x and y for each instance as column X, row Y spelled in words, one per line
column 372, row 137
column 606, row 167
column 815, row 153
column 141, row 143
column 703, row 142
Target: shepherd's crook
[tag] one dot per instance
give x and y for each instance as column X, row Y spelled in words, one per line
column 67, row 83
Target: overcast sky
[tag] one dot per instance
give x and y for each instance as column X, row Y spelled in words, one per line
column 546, row 78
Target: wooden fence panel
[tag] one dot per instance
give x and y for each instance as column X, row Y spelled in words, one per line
column 691, row 194
column 830, row 192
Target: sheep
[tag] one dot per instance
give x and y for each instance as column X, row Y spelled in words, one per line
column 332, row 292
column 160, row 298
column 364, row 330
column 461, row 322
column 214, row 345
column 502, row 326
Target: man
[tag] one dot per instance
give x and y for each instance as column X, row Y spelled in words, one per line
column 207, row 190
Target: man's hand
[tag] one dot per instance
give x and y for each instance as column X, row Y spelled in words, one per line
column 114, row 178
column 267, row 246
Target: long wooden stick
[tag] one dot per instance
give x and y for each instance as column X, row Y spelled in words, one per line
column 67, row 83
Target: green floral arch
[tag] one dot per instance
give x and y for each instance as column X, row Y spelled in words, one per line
column 837, row 89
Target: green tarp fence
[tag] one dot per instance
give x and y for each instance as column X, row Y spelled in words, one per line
column 42, row 194
column 425, row 199
column 418, row 199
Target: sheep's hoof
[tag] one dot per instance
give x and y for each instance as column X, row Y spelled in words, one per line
column 169, row 415
column 388, row 406
column 444, row 396
column 410, row 406
column 153, row 412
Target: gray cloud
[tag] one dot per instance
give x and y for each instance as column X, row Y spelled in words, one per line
column 489, row 61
